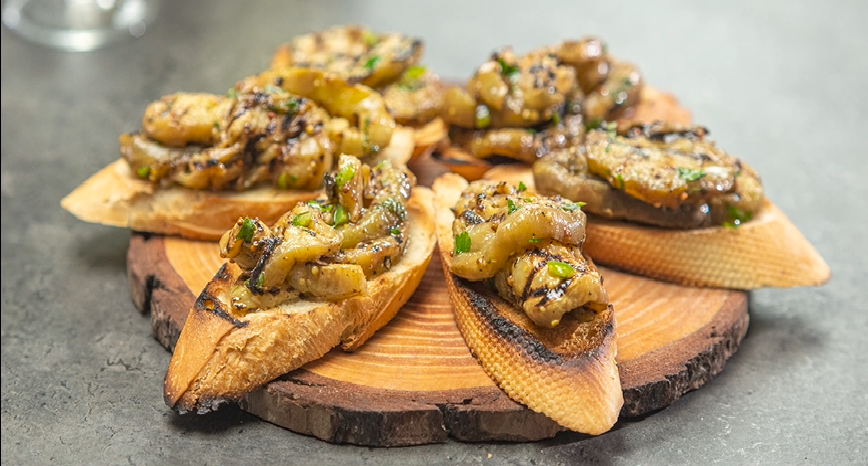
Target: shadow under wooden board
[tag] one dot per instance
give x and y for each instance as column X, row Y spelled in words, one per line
column 416, row 382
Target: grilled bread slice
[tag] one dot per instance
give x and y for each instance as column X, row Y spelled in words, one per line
column 220, row 356
column 567, row 372
column 767, row 251
column 115, row 196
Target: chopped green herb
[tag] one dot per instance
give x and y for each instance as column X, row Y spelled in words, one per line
column 621, row 183
column 232, row 93
column 383, row 164
column 462, row 243
column 290, row 105
column 371, row 63
column 315, row 205
column 274, row 89
column 395, row 207
column 507, row 70
column 217, row 125
column 345, row 174
column 561, row 269
column 571, row 206
column 369, row 38
column 556, row 119
column 737, row 217
column 737, row 173
column 260, row 280
column 285, row 180
column 612, row 130
column 143, row 172
column 510, row 206
column 245, row 233
column 341, row 216
column 535, row 240
column 396, row 232
column 596, row 123
column 414, row 72
column 302, row 220
column 531, row 131
column 521, row 187
column 688, row 174
column 483, row 116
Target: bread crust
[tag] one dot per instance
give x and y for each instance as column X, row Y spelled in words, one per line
column 568, row 373
column 768, row 251
column 220, row 358
column 114, row 196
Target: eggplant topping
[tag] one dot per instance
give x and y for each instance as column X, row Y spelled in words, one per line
column 529, row 246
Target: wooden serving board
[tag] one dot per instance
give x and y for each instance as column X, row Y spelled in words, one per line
column 416, row 382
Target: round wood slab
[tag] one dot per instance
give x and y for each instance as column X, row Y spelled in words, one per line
column 416, row 382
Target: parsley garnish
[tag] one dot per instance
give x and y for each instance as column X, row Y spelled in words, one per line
column 341, row 216
column 507, row 70
column 521, row 186
column 462, row 243
column 371, row 63
column 395, row 207
column 396, row 232
column 561, row 269
column 302, row 220
column 688, row 174
column 143, row 172
column 571, row 206
column 483, row 116
column 345, row 174
column 245, row 233
column 737, row 217
column 510, row 206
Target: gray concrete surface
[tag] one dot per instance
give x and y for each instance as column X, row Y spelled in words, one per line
column 780, row 84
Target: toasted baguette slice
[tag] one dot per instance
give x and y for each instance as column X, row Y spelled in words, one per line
column 114, row 196
column 567, row 373
column 220, row 358
column 768, row 251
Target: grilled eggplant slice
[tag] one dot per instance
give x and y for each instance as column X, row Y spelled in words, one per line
column 330, row 272
column 541, row 325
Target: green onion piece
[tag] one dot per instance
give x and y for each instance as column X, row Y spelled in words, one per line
column 396, row 232
column 611, row 130
column 561, row 269
column 260, row 280
column 369, row 38
column 731, row 226
column 383, row 164
column 510, row 206
column 483, row 116
column 346, row 173
column 688, row 174
column 341, row 216
column 596, row 123
column 535, row 240
column 246, row 231
column 462, row 243
column 521, row 187
column 395, row 207
column 143, row 172
column 302, row 220
column 285, row 180
column 621, row 183
column 315, row 205
column 232, row 93
column 371, row 63
column 414, row 72
column 571, row 206
column 556, row 119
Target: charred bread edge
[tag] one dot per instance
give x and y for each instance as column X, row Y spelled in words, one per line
column 520, row 364
column 209, row 328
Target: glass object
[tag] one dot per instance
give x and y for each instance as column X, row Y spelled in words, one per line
column 78, row 25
